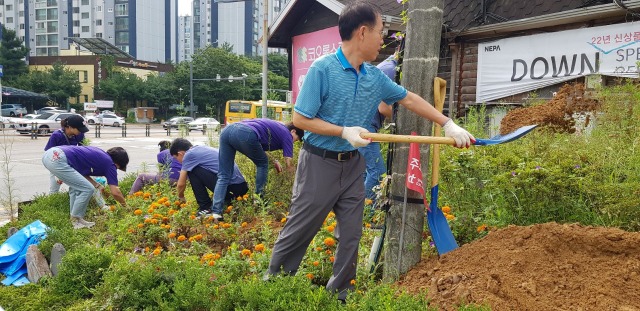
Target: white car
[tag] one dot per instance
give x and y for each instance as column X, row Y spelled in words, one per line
column 45, row 123
column 199, row 123
column 110, row 119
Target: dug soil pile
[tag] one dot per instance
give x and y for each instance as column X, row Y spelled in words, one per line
column 541, row 267
column 555, row 114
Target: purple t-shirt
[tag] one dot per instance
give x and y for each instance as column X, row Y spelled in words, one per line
column 58, row 139
column 272, row 135
column 170, row 166
column 91, row 161
column 207, row 158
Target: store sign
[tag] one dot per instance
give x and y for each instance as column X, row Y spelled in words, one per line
column 517, row 65
column 137, row 64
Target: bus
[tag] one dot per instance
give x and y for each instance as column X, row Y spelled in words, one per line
column 237, row 110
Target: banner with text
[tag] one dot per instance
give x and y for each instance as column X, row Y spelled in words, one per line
column 521, row 64
column 309, row 47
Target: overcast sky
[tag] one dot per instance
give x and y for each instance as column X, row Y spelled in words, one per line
column 184, row 7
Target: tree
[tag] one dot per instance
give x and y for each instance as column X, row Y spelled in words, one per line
column 12, row 55
column 122, row 86
column 420, row 66
column 62, row 84
column 277, row 63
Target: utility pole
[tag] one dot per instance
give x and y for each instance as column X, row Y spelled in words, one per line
column 265, row 47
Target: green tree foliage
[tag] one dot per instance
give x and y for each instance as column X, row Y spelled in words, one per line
column 12, row 55
column 123, row 87
column 59, row 82
column 277, row 63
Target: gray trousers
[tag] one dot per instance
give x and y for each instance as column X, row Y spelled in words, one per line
column 322, row 185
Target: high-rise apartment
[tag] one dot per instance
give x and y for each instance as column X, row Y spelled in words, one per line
column 236, row 22
column 146, row 29
column 185, row 38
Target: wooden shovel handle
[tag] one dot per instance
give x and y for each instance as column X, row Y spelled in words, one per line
column 409, row 139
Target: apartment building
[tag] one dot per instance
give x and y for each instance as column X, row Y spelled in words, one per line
column 146, row 29
column 185, row 38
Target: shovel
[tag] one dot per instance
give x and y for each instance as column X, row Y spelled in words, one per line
column 443, row 238
column 438, row 140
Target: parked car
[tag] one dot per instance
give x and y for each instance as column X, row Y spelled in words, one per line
column 12, row 110
column 110, row 119
column 30, row 116
column 199, row 123
column 176, row 121
column 6, row 123
column 49, row 109
column 45, row 123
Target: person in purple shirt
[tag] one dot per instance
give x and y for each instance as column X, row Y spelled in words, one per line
column 200, row 165
column 75, row 165
column 169, row 169
column 71, row 133
column 252, row 138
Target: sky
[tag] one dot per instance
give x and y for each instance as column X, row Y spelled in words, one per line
column 184, row 7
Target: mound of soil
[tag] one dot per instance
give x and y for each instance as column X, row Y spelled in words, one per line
column 556, row 114
column 541, row 267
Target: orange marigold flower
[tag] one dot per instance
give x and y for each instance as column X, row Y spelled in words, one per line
column 154, row 221
column 192, row 217
column 331, row 228
column 245, row 196
column 246, row 252
column 177, row 203
column 183, row 205
column 216, row 226
column 229, row 208
column 329, row 242
column 319, row 248
column 131, row 230
column 137, row 212
column 243, row 224
column 446, row 209
column 150, row 210
column 197, row 237
column 216, row 256
column 167, row 203
column 157, row 251
column 450, row 217
column 353, row 282
column 140, row 225
column 310, row 276
column 172, row 235
column 112, row 208
column 226, row 225
column 139, row 193
column 368, row 201
column 283, row 220
column 239, row 199
column 332, row 259
column 368, row 225
column 167, row 226
column 146, row 249
column 182, row 238
column 211, row 263
column 328, row 252
column 147, row 220
column 259, row 247
column 146, row 194
column 482, row 227
column 316, row 263
column 171, row 212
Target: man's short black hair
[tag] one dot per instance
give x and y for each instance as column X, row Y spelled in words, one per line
column 179, row 144
column 299, row 131
column 164, row 144
column 119, row 156
column 356, row 14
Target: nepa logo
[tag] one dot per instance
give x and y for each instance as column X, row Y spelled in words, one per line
column 491, row 48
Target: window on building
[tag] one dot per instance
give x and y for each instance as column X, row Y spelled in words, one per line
column 52, row 14
column 122, row 9
column 9, row 20
column 85, row 29
column 76, row 10
column 76, row 23
column 21, row 26
column 41, row 40
column 99, row 8
column 85, row 15
column 86, row 97
column 122, row 38
column 122, row 24
column 41, row 51
column 41, row 14
column 52, row 39
column 85, row 2
column 98, row 35
column 98, row 22
column 52, row 26
column 52, row 2
column 83, row 76
column 52, row 51
column 9, row 7
column 21, row 14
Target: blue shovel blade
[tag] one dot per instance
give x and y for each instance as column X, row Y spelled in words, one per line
column 440, row 231
column 499, row 139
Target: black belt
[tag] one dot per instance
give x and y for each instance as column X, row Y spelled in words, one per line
column 324, row 153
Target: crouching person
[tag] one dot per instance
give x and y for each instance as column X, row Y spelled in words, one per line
column 75, row 165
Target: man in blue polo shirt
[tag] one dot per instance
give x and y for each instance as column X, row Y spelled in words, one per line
column 339, row 96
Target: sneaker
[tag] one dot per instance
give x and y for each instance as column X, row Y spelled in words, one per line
column 203, row 213
column 79, row 223
column 217, row 217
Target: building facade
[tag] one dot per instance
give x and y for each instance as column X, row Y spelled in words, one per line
column 185, row 38
column 146, row 29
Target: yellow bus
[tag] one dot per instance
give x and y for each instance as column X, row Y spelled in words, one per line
column 238, row 110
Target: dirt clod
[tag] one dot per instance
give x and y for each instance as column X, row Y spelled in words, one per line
column 552, row 267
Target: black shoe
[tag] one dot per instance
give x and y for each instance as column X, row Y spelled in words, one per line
column 204, row 213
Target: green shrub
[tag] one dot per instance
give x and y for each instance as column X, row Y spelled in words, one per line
column 81, row 271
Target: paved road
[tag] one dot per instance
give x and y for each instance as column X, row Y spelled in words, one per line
column 29, row 177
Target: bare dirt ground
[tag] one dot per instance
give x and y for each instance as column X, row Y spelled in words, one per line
column 541, row 267
column 554, row 114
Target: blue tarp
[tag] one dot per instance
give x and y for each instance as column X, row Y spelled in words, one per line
column 13, row 252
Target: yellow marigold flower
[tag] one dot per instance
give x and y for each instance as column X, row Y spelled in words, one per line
column 157, row 251
column 167, row 203
column 197, row 237
column 259, row 247
column 331, row 228
column 131, row 230
column 211, row 263
column 150, row 210
column 167, row 226
column 171, row 212
column 368, row 201
column 283, row 220
column 329, row 242
column 239, row 199
column 154, row 221
column 137, row 212
column 216, row 226
column 147, row 220
column 229, row 208
column 446, row 209
column 183, row 205
column 112, row 208
column 353, row 282
column 310, row 276
column 182, row 238
column 246, row 252
column 252, row 263
column 331, row 214
column 140, row 225
column 450, row 217
column 146, row 195
column 245, row 196
column 191, row 239
column 316, row 263
column 172, row 235
column 244, row 224
column 482, row 227
column 332, row 259
column 226, row 225
column 368, row 225
column 139, row 193
column 159, row 216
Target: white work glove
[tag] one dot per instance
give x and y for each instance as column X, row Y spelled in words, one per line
column 352, row 135
column 461, row 136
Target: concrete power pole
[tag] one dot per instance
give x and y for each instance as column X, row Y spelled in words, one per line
column 420, row 67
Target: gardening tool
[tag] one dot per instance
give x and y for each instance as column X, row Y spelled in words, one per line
column 440, row 231
column 438, row 140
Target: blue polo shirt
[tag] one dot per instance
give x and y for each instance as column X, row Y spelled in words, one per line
column 334, row 92
column 207, row 157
